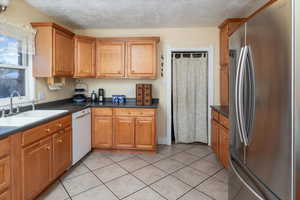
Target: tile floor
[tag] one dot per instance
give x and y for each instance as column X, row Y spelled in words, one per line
column 183, row 172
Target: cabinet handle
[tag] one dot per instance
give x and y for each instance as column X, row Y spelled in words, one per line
column 59, row 141
column 48, row 130
column 47, row 148
column 60, row 125
column 132, row 71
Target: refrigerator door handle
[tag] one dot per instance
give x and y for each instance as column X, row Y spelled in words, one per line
column 237, row 94
column 240, row 95
column 259, row 197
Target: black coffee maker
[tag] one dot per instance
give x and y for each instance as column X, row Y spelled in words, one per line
column 101, row 95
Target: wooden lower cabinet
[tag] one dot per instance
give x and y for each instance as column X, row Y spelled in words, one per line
column 5, row 195
column 102, row 136
column 124, row 128
column 220, row 137
column 215, row 136
column 36, row 168
column 145, row 137
column 224, row 146
column 124, row 132
column 62, row 151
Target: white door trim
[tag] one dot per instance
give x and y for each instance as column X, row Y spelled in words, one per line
column 168, row 74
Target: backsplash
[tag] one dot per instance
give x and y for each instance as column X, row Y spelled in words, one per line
column 119, row 86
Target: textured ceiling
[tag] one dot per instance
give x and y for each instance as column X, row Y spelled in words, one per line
column 144, row 13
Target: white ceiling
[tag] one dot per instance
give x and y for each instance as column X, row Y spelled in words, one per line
column 144, row 13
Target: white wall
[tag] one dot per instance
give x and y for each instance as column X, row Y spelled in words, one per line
column 19, row 12
column 170, row 38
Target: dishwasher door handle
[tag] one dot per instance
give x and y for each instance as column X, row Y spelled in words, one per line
column 81, row 116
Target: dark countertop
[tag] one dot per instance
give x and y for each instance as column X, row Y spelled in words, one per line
column 224, row 110
column 70, row 107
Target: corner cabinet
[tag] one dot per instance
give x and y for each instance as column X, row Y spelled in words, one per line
column 54, row 55
column 124, row 128
column 85, row 56
column 131, row 58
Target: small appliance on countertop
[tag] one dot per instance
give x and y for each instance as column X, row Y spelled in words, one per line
column 101, row 95
column 93, row 97
column 80, row 93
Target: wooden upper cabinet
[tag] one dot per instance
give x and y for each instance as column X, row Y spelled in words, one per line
column 85, row 56
column 124, row 132
column 227, row 28
column 110, row 59
column 54, row 54
column 141, row 59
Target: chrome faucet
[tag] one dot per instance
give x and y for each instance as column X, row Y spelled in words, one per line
column 11, row 108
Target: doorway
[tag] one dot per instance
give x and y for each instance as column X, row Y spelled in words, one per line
column 189, row 97
column 209, row 52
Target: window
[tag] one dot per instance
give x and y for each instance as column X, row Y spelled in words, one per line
column 13, row 67
column 16, row 49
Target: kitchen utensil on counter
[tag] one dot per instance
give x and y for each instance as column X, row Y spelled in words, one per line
column 101, row 95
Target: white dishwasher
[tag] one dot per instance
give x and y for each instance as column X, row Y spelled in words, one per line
column 81, row 124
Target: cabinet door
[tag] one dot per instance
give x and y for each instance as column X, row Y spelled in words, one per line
column 4, row 173
column 124, row 132
column 64, row 54
column 141, row 59
column 61, row 151
column 145, row 133
column 102, row 132
column 215, row 136
column 224, row 146
column 85, row 50
column 224, row 85
column 110, row 59
column 5, row 195
column 36, row 168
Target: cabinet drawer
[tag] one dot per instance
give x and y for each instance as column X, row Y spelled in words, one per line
column 36, row 134
column 4, row 147
column 64, row 122
column 134, row 112
column 39, row 132
column 103, row 111
column 5, row 195
column 224, row 121
column 215, row 115
column 4, row 173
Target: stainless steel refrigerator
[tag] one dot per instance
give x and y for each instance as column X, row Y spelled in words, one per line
column 263, row 106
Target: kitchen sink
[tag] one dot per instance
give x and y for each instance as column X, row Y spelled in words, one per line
column 29, row 117
column 40, row 113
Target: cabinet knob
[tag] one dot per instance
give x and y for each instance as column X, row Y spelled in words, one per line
column 119, row 72
column 47, row 148
column 132, row 71
column 60, row 125
column 48, row 129
column 60, row 141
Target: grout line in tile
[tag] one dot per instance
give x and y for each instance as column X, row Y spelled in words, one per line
column 104, row 184
column 65, row 189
